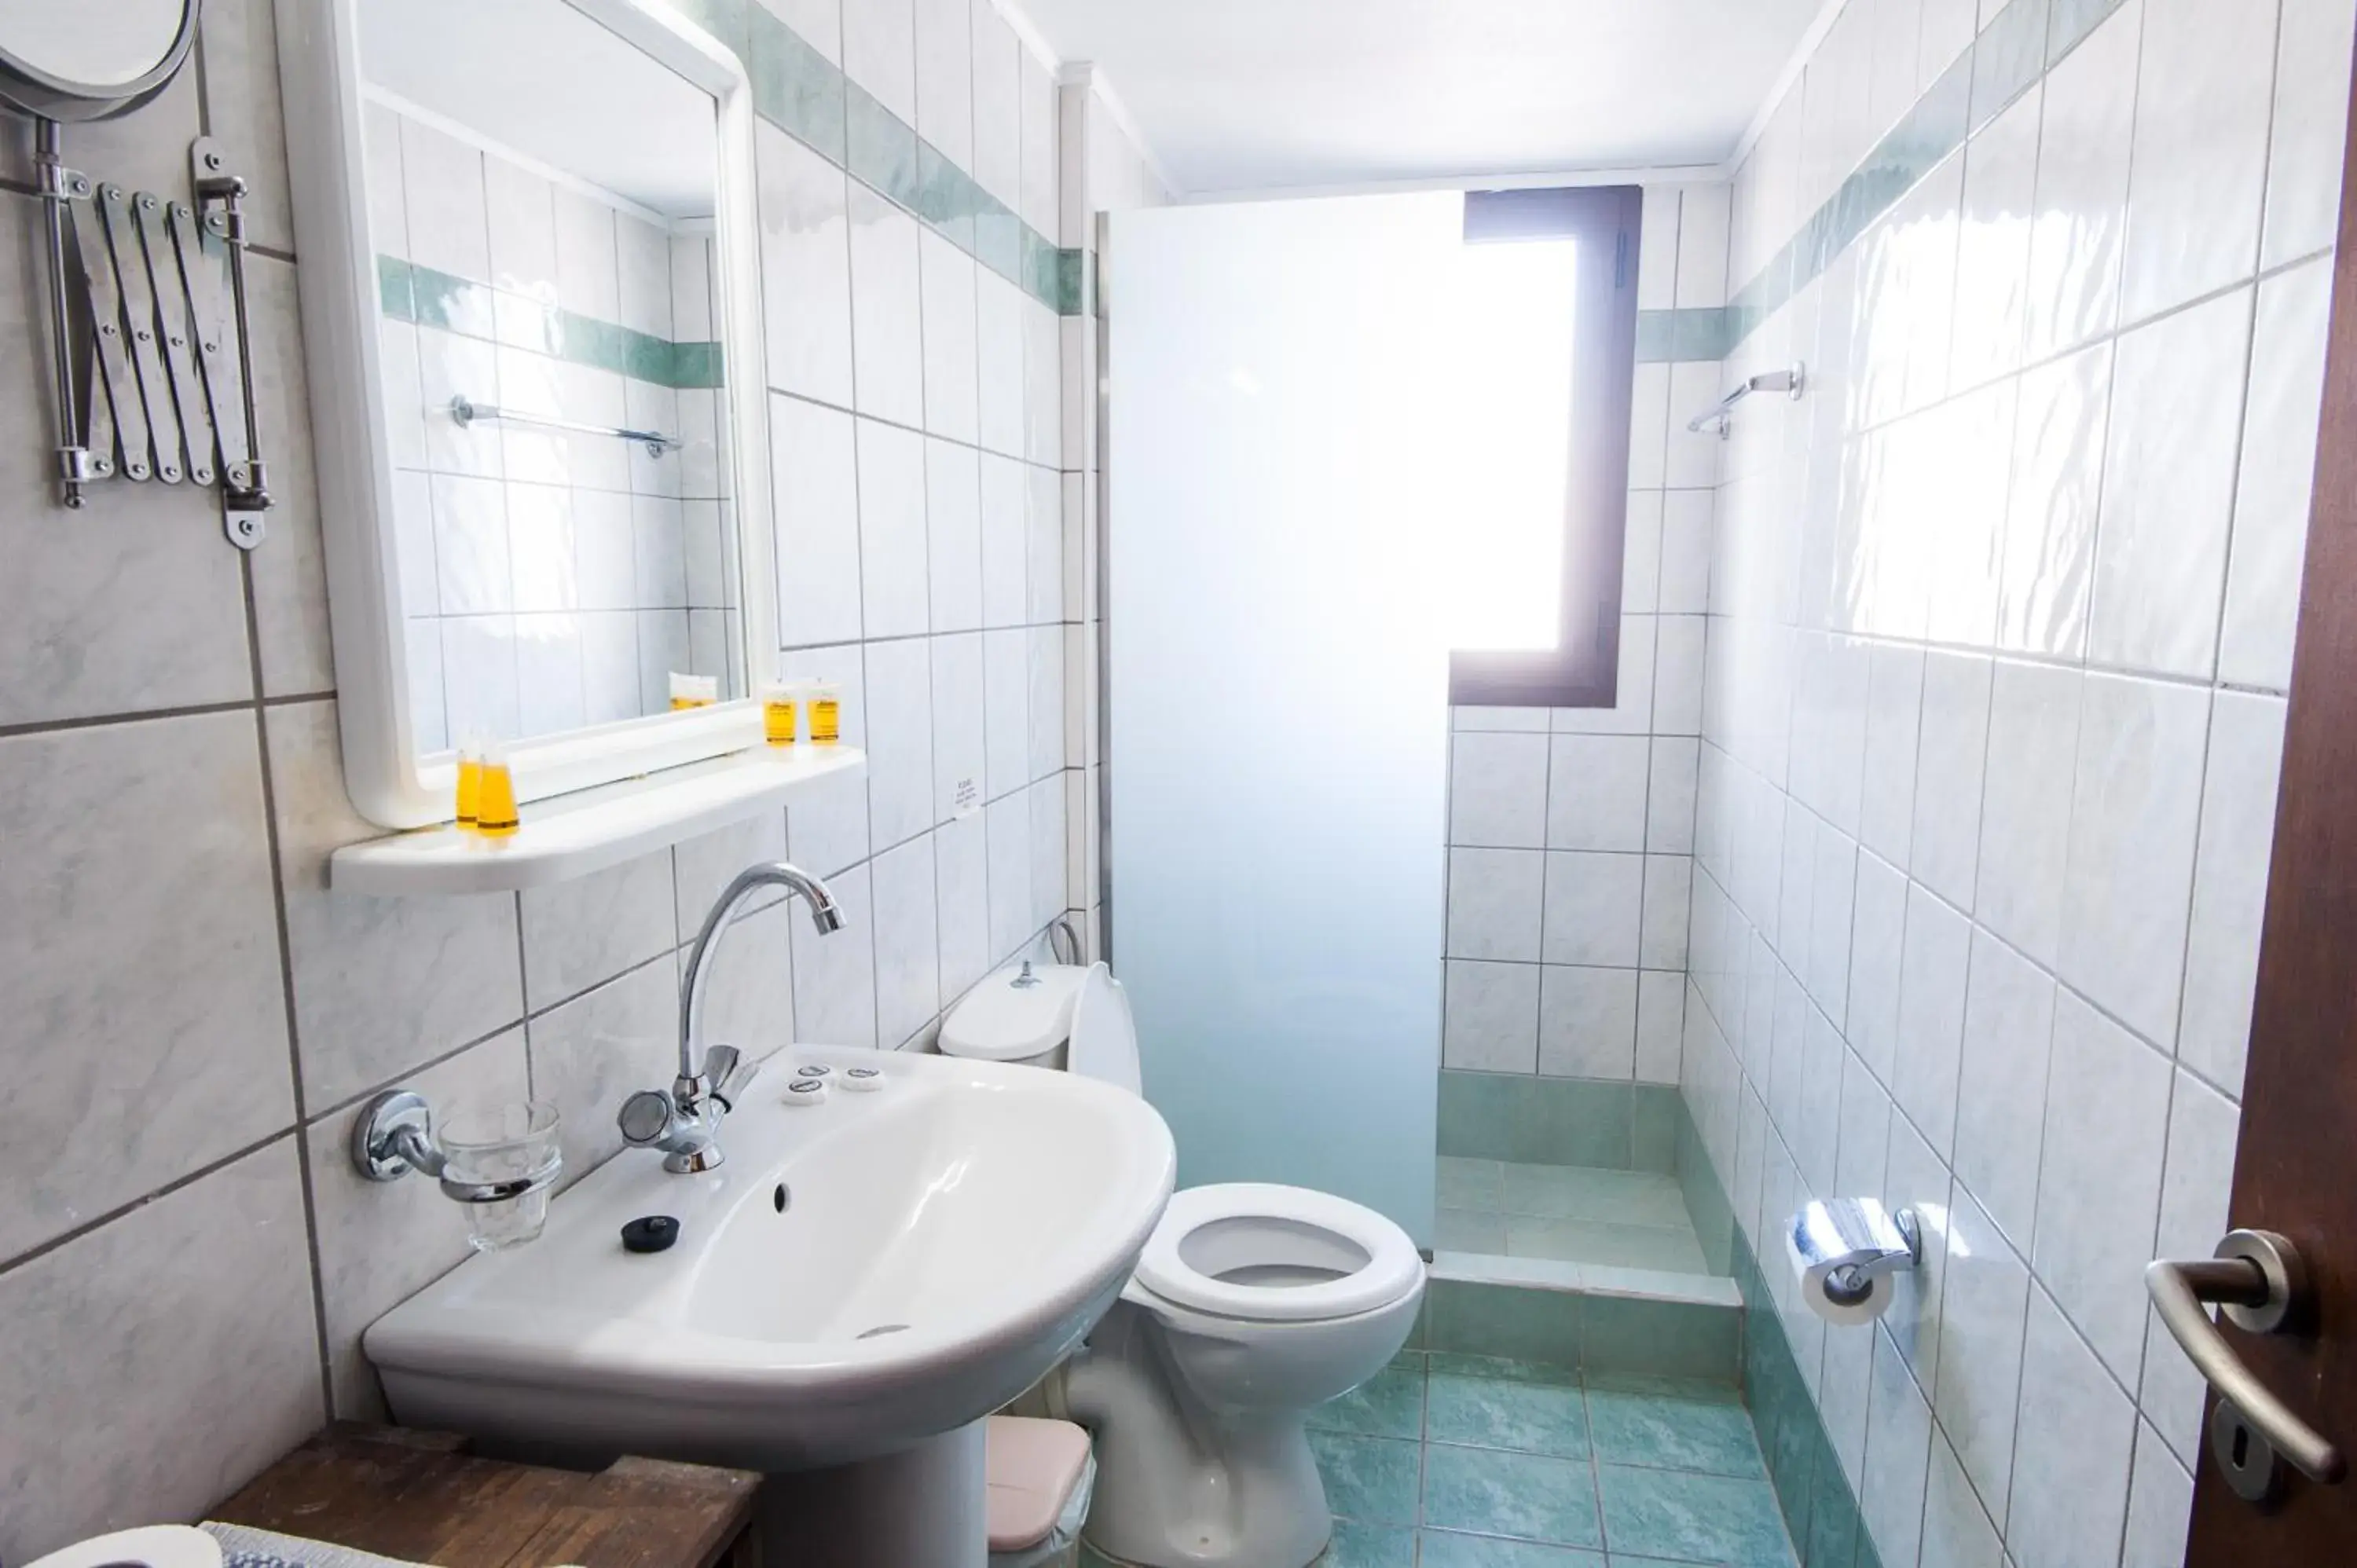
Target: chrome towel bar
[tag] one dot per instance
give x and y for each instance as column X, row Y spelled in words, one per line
column 1790, row 382
column 465, row 410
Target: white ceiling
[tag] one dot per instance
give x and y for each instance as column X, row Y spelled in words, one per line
column 537, row 77
column 1236, row 95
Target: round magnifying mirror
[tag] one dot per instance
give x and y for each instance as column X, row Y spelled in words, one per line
column 86, row 62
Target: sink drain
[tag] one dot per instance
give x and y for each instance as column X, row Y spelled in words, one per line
column 881, row 1329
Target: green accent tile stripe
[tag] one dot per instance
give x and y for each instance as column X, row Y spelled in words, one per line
column 806, row 95
column 1606, row 1124
column 1671, row 337
column 1575, row 1330
column 2021, row 43
column 408, row 291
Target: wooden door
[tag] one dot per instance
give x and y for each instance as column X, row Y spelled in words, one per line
column 2295, row 1173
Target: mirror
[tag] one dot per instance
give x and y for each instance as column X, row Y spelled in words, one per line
column 61, row 63
column 544, row 211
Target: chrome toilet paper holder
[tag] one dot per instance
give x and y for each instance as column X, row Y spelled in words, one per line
column 1855, row 1242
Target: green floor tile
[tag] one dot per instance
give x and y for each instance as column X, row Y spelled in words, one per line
column 1692, row 1518
column 1371, row 1479
column 1491, row 1412
column 1487, row 1492
column 1389, row 1404
column 1673, row 1433
column 1446, row 1548
column 1660, row 1385
column 1453, row 1363
column 1357, row 1545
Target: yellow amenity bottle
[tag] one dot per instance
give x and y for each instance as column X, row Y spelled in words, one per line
column 495, row 800
column 826, row 700
column 779, row 701
column 470, row 784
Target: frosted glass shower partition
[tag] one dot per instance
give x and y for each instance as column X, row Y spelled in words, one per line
column 1277, row 681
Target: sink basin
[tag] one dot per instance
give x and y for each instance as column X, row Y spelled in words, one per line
column 860, row 1275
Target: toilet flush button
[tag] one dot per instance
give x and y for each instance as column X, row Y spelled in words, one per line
column 863, row 1079
column 806, row 1091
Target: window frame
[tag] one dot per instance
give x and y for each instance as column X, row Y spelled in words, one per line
column 1582, row 671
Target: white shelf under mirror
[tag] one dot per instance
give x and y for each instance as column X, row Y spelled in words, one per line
column 570, row 836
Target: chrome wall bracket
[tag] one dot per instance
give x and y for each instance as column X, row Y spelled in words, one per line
column 151, row 335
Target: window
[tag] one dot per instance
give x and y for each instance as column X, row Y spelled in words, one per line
column 1534, row 598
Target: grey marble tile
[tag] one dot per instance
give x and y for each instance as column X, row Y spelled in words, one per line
column 381, row 984
column 153, row 1042
column 132, row 603
column 238, row 42
column 290, row 573
column 702, row 867
column 749, row 989
column 382, row 1242
column 596, row 1051
column 155, row 1364
column 584, row 932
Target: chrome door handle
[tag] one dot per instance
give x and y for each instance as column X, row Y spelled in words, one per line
column 2258, row 1277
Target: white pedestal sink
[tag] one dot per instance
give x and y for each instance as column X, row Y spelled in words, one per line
column 852, row 1290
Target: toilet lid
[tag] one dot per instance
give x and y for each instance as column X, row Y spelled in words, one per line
column 1276, row 1254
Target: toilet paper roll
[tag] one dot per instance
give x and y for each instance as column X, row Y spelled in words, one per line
column 155, row 1546
column 1836, row 1292
column 1846, row 1254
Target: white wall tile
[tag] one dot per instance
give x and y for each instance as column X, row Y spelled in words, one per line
column 2046, row 569
column 2230, row 885
column 1494, row 897
column 945, row 77
column 1498, row 790
column 960, row 733
column 953, row 536
column 1661, row 940
column 961, row 870
column 2278, row 469
column 2099, row 1184
column 2204, row 91
column 1898, row 1455
column 590, row 1053
column 887, row 343
column 2033, row 750
column 1951, row 752
column 2000, row 1109
column 1983, row 1301
column 879, row 52
column 998, row 106
column 2071, row 1466
column 2310, row 125
column 900, row 778
column 1596, row 790
column 1931, row 997
column 999, row 357
column 2169, row 493
column 1670, row 797
column 908, row 956
column 2135, row 809
column 1660, row 1023
column 2160, row 1507
column 1587, row 1021
column 1593, row 904
column 1684, row 586
column 893, row 543
column 584, row 932
column 2084, row 153
column 1490, row 1016
column 815, row 460
column 805, row 268
column 952, row 373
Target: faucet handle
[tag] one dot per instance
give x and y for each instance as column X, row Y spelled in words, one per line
column 647, row 1118
column 729, row 1072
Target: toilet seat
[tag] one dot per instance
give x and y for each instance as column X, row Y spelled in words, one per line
column 1253, row 1228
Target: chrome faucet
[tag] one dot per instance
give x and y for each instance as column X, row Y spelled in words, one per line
column 685, row 1122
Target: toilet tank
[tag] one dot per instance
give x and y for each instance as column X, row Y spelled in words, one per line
column 1055, row 1015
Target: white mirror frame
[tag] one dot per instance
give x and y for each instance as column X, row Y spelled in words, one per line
column 387, row 780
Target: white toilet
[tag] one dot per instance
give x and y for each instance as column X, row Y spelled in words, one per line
column 1251, row 1305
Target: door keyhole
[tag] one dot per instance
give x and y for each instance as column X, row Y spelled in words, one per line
column 2243, row 1455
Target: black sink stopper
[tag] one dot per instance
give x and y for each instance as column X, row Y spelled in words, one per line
column 652, row 1234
